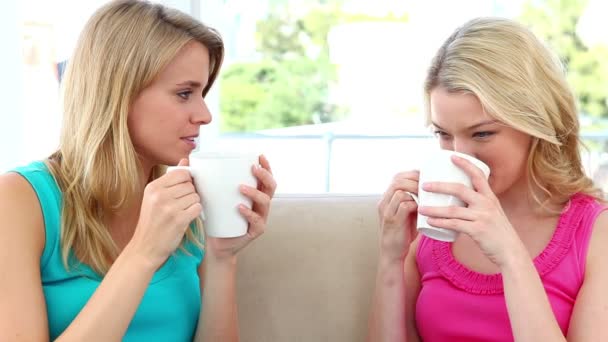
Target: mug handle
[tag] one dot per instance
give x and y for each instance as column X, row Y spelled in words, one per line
column 181, row 167
column 413, row 195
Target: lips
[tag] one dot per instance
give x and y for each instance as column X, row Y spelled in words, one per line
column 190, row 140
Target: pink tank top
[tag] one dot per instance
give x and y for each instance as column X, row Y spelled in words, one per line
column 457, row 304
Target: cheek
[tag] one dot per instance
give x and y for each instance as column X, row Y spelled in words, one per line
column 150, row 118
column 505, row 170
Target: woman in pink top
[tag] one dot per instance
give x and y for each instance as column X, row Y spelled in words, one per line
column 529, row 262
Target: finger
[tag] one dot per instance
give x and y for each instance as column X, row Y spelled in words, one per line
column 186, row 201
column 405, row 181
column 193, row 211
column 451, row 212
column 266, row 181
column 478, row 178
column 256, row 222
column 174, row 177
column 181, row 189
column 458, row 190
column 457, row 225
column 264, row 163
column 395, row 202
column 402, row 179
column 405, row 208
column 404, row 184
column 411, row 174
column 261, row 200
column 183, row 162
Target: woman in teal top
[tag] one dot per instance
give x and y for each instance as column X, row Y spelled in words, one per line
column 97, row 243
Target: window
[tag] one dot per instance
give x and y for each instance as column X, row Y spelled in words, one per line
column 329, row 90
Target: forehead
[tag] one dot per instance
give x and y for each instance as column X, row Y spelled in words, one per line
column 455, row 109
column 190, row 63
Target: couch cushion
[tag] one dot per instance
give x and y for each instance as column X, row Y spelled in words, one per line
column 310, row 277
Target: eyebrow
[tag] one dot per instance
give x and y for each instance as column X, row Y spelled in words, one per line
column 193, row 84
column 477, row 125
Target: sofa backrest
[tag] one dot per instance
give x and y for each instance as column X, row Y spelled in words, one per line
column 310, row 277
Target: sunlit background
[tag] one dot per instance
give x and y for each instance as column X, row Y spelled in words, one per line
column 330, row 91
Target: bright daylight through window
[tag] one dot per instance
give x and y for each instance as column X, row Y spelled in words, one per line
column 329, row 90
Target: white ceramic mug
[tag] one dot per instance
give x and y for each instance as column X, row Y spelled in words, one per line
column 217, row 177
column 440, row 168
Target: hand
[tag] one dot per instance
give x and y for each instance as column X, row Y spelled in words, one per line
column 169, row 204
column 483, row 219
column 226, row 248
column 397, row 212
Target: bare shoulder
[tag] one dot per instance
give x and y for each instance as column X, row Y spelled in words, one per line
column 20, row 212
column 23, row 311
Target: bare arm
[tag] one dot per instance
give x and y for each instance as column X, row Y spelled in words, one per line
column 397, row 280
column 23, row 309
column 22, row 241
column 218, row 321
column 530, row 313
column 102, row 318
column 22, row 313
column 169, row 205
column 588, row 322
column 393, row 309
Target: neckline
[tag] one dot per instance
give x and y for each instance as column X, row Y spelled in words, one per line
column 479, row 283
column 161, row 273
column 79, row 268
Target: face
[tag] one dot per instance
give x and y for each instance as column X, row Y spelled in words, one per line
column 461, row 125
column 166, row 116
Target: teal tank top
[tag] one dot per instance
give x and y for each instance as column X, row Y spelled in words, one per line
column 170, row 307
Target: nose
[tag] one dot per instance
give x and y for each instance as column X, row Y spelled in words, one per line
column 463, row 146
column 201, row 114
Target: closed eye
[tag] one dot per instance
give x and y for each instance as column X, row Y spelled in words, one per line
column 442, row 135
column 483, row 135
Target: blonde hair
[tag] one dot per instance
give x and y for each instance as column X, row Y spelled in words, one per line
column 122, row 49
column 522, row 84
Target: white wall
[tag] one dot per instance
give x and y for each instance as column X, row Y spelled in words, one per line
column 30, row 119
column 11, row 88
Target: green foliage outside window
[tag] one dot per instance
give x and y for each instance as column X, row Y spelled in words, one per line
column 555, row 21
column 290, row 84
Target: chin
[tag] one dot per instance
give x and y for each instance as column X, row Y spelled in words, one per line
column 172, row 161
column 496, row 188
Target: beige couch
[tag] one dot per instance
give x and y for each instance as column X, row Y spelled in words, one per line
column 310, row 277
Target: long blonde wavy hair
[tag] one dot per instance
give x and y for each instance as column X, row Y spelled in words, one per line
column 122, row 49
column 522, row 84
